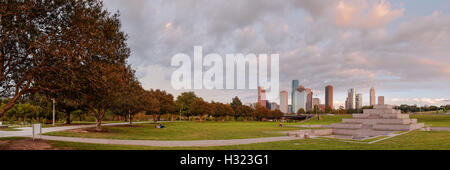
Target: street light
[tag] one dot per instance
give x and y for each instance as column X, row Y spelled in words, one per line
column 53, row 99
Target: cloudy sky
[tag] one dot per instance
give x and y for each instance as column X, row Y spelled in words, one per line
column 399, row 47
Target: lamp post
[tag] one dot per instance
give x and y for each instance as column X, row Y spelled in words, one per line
column 53, row 111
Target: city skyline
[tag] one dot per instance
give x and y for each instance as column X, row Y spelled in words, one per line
column 335, row 44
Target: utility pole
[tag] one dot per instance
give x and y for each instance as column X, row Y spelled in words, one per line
column 53, row 111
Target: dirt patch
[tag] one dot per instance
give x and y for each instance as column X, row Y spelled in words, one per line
column 136, row 126
column 26, row 144
column 3, row 142
column 78, row 130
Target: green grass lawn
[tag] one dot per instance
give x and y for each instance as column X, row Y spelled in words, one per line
column 9, row 129
column 184, row 131
column 433, row 119
column 416, row 140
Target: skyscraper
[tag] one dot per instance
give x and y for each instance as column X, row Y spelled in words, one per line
column 284, row 101
column 359, row 102
column 261, row 96
column 309, row 95
column 381, row 100
column 329, row 96
column 316, row 102
column 300, row 98
column 293, row 90
column 372, row 96
column 351, row 98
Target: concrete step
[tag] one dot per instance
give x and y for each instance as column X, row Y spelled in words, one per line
column 342, row 136
column 360, row 132
column 381, row 116
column 396, row 127
column 379, row 121
column 346, row 125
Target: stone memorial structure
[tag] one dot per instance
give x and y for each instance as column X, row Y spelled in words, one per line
column 382, row 120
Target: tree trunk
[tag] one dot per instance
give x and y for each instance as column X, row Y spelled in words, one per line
column 131, row 119
column 200, row 117
column 98, row 127
column 154, row 118
column 68, row 118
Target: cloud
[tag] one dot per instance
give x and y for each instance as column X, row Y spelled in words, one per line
column 348, row 43
column 421, row 101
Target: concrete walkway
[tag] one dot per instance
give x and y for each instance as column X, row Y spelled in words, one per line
column 26, row 131
column 170, row 143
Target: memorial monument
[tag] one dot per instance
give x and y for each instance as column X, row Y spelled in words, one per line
column 381, row 120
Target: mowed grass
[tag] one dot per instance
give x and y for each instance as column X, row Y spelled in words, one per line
column 416, row 140
column 433, row 119
column 9, row 129
column 183, row 131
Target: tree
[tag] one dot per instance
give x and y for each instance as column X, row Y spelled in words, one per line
column 328, row 109
column 96, row 59
column 316, row 111
column 199, row 108
column 277, row 114
column 244, row 111
column 30, row 33
column 260, row 112
column 166, row 103
column 235, row 103
column 184, row 101
column 151, row 104
column 130, row 97
column 221, row 110
column 301, row 111
column 61, row 45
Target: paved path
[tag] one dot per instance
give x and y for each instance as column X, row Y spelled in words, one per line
column 440, row 128
column 170, row 143
column 26, row 132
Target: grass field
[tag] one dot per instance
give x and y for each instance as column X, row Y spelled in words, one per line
column 217, row 130
column 433, row 119
column 184, row 131
column 416, row 140
column 9, row 129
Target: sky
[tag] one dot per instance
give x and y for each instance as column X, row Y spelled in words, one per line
column 399, row 47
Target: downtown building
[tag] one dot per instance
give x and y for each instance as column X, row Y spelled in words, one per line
column 350, row 103
column 262, row 97
column 329, row 96
column 309, row 104
column 300, row 99
column 294, row 87
column 372, row 97
column 359, row 101
column 284, row 95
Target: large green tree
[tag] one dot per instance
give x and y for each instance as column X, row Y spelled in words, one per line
column 244, row 111
column 30, row 33
column 184, row 101
column 199, row 108
column 166, row 103
column 235, row 103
